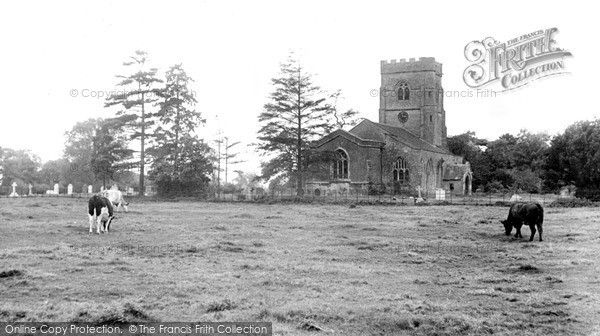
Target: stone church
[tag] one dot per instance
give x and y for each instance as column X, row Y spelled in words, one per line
column 406, row 149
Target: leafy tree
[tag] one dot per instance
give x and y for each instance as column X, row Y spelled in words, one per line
column 501, row 152
column 195, row 167
column 19, row 166
column 526, row 179
column 138, row 92
column 466, row 145
column 574, row 158
column 530, row 151
column 55, row 171
column 88, row 150
column 109, row 152
column 79, row 151
column 295, row 116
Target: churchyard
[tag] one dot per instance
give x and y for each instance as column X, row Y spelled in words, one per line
column 348, row 269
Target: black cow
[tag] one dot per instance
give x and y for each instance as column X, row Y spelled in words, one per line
column 530, row 213
column 100, row 209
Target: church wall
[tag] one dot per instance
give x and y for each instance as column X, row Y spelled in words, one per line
column 417, row 163
column 358, row 158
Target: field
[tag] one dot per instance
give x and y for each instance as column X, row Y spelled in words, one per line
column 310, row 269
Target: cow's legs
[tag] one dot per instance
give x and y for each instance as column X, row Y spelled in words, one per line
column 518, row 229
column 91, row 220
column 540, row 230
column 532, row 228
column 99, row 224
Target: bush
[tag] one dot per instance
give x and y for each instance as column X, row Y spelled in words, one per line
column 590, row 194
column 571, row 203
column 166, row 186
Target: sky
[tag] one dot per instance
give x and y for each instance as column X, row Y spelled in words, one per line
column 58, row 57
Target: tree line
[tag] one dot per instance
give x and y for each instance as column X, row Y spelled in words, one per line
column 535, row 162
column 158, row 114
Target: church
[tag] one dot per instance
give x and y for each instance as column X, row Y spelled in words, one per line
column 406, row 150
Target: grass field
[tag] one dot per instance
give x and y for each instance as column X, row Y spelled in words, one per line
column 364, row 270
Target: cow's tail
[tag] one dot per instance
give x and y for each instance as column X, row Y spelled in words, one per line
column 541, row 216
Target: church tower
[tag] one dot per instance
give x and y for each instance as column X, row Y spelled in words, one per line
column 411, row 97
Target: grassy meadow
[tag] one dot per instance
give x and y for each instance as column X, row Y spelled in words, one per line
column 308, row 268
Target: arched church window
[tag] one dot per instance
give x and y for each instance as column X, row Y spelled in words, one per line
column 403, row 91
column 340, row 165
column 400, row 171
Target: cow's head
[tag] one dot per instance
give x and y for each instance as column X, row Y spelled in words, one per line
column 507, row 226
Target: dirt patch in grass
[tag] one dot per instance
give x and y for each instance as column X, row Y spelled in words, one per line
column 11, row 273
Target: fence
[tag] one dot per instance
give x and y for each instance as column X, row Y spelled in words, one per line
column 36, row 191
column 361, row 196
column 350, row 196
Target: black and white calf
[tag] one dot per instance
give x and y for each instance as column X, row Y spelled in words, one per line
column 100, row 210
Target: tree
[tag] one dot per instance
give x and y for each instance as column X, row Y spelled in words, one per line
column 19, row 166
column 295, row 116
column 530, row 151
column 79, row 150
column 246, row 180
column 342, row 119
column 195, row 167
column 469, row 146
column 84, row 143
column 176, row 113
column 574, row 158
column 142, row 93
column 109, row 152
column 466, row 145
column 54, row 171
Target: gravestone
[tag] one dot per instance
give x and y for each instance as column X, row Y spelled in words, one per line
column 56, row 189
column 148, row 190
column 70, row 189
column 440, row 194
column 30, row 188
column 90, row 189
column 14, row 192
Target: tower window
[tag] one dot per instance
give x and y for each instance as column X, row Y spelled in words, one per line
column 340, row 165
column 403, row 91
column 400, row 171
column 430, row 118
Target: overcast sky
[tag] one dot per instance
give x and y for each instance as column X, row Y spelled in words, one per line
column 52, row 49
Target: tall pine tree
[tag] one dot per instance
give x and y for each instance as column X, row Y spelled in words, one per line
column 296, row 115
column 138, row 92
column 176, row 115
